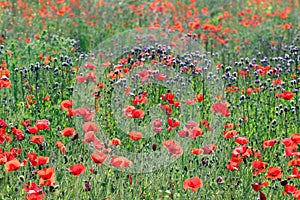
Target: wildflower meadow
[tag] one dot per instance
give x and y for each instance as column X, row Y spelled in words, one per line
column 158, row 99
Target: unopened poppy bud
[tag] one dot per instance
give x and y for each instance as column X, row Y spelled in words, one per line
column 87, row 186
column 219, row 179
column 154, row 146
column 22, row 179
column 75, row 137
column 284, row 182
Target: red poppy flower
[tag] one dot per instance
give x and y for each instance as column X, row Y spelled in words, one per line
column 3, row 124
column 269, row 143
column 34, row 192
column 296, row 138
column 99, row 157
column 183, row 133
column 89, row 65
column 26, row 123
column 35, row 196
column 115, row 141
column 258, row 167
column 32, row 188
column 46, row 173
column 144, row 75
column 197, row 151
column 90, row 126
column 195, row 132
column 241, row 140
column 193, row 184
column 68, row 131
column 274, row 173
column 89, row 137
column 288, row 142
column 199, row 97
column 80, row 79
column 287, row 95
column 221, row 108
column 12, row 165
column 294, row 162
column 32, row 129
column 135, row 135
column 191, row 124
column 295, row 173
column 140, row 99
column 132, row 112
column 157, row 130
column 166, row 108
column 208, row 149
column 230, row 134
column 160, row 76
column 38, row 139
column 76, row 169
column 157, row 123
column 289, row 189
column 169, row 96
column 47, row 182
column 291, row 151
column 205, row 124
column 61, row 146
column 233, row 165
column 173, row 147
column 229, row 126
column 173, row 123
column 36, row 161
column 137, row 113
column 256, row 186
column 42, row 124
column 120, row 162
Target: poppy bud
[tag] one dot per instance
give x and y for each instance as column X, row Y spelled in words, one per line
column 75, row 137
column 87, row 186
column 204, row 161
column 219, row 179
column 66, row 159
column 41, row 147
column 284, row 182
column 154, row 147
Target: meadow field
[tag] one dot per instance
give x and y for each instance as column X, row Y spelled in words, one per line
column 158, row 99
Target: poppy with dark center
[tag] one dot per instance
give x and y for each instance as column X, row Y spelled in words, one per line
column 99, row 157
column 274, row 173
column 173, row 123
column 68, row 131
column 258, row 167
